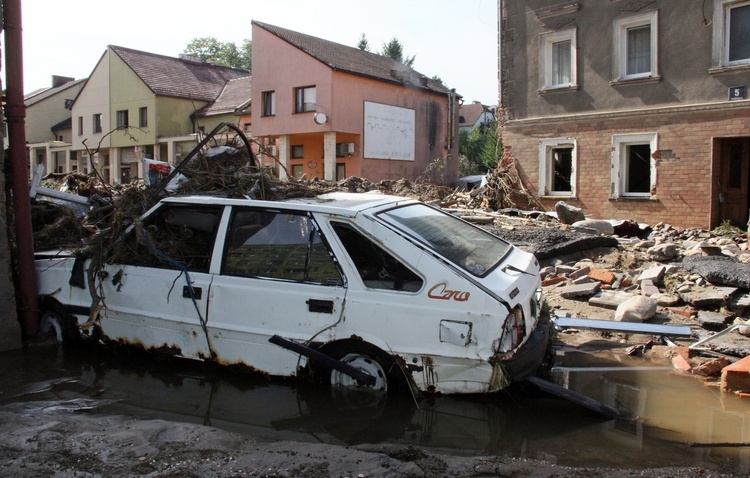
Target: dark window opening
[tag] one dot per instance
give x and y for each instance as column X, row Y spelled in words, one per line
column 377, row 268
column 562, row 169
column 638, row 168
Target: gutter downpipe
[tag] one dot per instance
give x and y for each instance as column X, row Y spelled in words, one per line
column 500, row 65
column 15, row 112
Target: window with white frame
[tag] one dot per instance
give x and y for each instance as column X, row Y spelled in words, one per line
column 558, row 59
column 304, row 99
column 633, row 167
column 636, row 46
column 731, row 32
column 557, row 167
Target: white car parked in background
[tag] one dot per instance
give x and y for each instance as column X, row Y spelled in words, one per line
column 365, row 290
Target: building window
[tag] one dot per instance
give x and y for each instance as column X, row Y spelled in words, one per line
column 68, row 104
column 143, row 117
column 340, row 171
column 558, row 59
column 344, row 149
column 122, row 119
column 298, row 151
column 557, row 167
column 80, row 125
column 633, row 168
column 304, row 99
column 297, row 170
column 97, row 123
column 269, row 103
column 636, row 47
column 736, row 31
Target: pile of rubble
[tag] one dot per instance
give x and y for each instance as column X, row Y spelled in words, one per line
column 620, row 271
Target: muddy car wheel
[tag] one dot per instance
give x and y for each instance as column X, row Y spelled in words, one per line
column 51, row 325
column 365, row 363
column 56, row 322
column 350, row 393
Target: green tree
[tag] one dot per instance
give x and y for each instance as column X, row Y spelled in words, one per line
column 481, row 149
column 211, row 50
column 363, row 44
column 394, row 49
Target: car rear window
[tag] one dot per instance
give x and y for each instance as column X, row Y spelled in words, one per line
column 465, row 245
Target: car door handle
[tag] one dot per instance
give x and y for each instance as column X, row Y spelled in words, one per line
column 197, row 292
column 320, row 306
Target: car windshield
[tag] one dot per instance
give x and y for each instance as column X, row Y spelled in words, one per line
column 463, row 244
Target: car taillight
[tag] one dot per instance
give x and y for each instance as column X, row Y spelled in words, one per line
column 514, row 330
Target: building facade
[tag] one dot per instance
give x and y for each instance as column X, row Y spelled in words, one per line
column 330, row 111
column 630, row 109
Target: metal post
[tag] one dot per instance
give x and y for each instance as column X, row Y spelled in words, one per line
column 15, row 112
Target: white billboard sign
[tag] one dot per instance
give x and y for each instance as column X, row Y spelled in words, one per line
column 389, row 132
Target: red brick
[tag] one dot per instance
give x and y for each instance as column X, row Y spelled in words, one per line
column 603, row 276
column 553, row 281
column 679, row 362
column 736, row 377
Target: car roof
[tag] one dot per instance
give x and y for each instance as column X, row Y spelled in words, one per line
column 340, row 203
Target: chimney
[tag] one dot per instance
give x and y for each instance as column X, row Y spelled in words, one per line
column 60, row 80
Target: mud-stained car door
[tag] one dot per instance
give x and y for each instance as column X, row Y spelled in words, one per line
column 277, row 277
column 155, row 290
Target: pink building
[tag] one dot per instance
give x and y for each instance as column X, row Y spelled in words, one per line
column 331, row 111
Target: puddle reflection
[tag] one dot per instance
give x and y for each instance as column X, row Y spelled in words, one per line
column 673, row 411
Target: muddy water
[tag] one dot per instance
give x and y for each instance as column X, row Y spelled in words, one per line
column 678, row 421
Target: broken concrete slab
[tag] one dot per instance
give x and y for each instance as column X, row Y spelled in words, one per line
column 578, row 291
column 655, row 274
column 706, row 296
column 710, row 320
column 662, row 252
column 610, row 299
column 719, row 270
column 546, row 243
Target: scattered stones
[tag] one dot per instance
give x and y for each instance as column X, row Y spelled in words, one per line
column 602, row 227
column 638, row 308
column 568, row 214
column 662, row 252
column 580, row 290
column 610, row 299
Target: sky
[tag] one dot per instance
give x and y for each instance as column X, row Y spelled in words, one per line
column 451, row 39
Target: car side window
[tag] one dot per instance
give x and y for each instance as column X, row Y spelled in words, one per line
column 175, row 237
column 278, row 245
column 377, row 268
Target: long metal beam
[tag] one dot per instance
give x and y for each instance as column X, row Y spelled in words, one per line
column 629, row 327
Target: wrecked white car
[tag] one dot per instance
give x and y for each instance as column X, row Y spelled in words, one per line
column 361, row 290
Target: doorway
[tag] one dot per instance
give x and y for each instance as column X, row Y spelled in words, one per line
column 734, row 199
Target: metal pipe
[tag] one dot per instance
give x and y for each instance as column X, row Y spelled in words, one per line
column 15, row 112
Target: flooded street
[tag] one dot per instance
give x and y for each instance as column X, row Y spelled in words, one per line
column 679, row 421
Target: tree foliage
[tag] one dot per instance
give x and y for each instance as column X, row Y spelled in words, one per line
column 394, row 49
column 481, row 149
column 363, row 44
column 210, row 49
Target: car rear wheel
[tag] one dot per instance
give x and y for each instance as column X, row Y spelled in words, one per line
column 365, row 363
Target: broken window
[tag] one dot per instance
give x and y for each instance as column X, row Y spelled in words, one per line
column 278, row 245
column 633, row 169
column 377, row 268
column 557, row 159
column 175, row 237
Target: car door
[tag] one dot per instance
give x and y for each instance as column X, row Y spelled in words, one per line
column 155, row 287
column 278, row 277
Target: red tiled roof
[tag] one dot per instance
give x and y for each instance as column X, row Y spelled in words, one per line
column 355, row 61
column 175, row 77
column 469, row 114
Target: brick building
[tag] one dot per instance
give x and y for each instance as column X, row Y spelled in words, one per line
column 630, row 109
